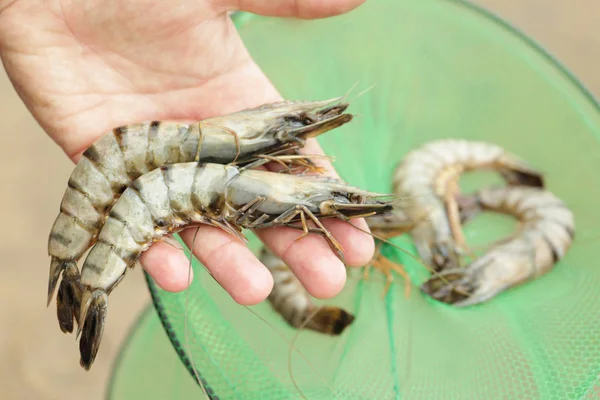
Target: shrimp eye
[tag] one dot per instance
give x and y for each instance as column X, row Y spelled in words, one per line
column 294, row 118
column 308, row 119
column 327, row 207
column 356, row 198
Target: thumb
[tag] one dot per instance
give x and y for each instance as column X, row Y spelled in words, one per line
column 306, row 9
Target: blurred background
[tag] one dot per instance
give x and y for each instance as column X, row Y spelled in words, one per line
column 36, row 359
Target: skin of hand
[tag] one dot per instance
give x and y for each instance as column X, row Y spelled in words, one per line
column 85, row 67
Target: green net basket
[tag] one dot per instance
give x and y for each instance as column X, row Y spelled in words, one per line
column 441, row 69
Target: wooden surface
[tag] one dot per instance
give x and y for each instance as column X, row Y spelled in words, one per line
column 36, row 360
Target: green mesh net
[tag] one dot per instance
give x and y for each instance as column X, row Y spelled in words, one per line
column 440, row 69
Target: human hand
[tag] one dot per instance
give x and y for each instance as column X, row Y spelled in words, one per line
column 83, row 68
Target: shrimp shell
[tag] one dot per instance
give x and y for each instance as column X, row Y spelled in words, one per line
column 109, row 166
column 428, row 178
column 173, row 197
column 546, row 234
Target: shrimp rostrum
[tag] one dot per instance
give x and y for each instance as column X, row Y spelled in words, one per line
column 246, row 138
column 174, row 197
column 428, row 179
column 546, row 233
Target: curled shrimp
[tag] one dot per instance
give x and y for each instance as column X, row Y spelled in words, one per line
column 174, row 197
column 546, row 233
column 246, row 138
column 294, row 304
column 428, row 178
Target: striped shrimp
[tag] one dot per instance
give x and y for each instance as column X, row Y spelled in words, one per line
column 292, row 301
column 428, row 179
column 173, row 197
column 546, row 233
column 248, row 137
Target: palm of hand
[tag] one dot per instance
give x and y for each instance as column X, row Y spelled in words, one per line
column 99, row 64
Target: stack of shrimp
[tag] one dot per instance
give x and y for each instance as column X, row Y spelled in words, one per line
column 141, row 183
column 433, row 212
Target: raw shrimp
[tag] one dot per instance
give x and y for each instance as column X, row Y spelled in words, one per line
column 174, row 197
column 107, row 167
column 546, row 234
column 292, row 301
column 428, row 179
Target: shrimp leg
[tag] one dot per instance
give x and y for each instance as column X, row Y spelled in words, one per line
column 394, row 225
column 453, row 213
column 243, row 214
column 386, row 227
column 303, row 212
column 386, row 266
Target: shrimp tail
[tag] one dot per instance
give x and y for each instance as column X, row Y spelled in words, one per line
column 57, row 266
column 93, row 313
column 518, row 173
column 331, row 320
column 68, row 299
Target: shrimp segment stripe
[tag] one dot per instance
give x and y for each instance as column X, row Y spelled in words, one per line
column 217, row 195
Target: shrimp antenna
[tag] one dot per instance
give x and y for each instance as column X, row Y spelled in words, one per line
column 365, row 91
column 345, row 97
column 417, row 259
column 187, row 342
column 185, row 320
column 293, row 347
